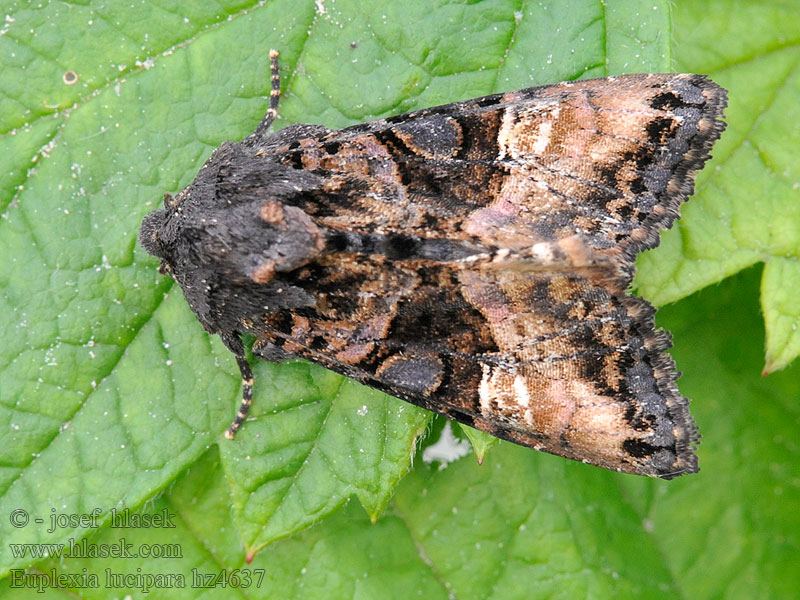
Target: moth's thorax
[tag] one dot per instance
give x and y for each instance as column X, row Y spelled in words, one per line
column 227, row 244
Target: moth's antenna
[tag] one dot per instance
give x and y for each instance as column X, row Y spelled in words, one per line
column 274, row 95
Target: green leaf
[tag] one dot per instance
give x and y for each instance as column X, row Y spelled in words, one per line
column 111, row 393
column 733, row 531
column 531, row 526
column 328, row 439
column 781, row 306
column 344, row 557
column 166, row 559
column 747, row 206
column 84, row 311
column 480, row 441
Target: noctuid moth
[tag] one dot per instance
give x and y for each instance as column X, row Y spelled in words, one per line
column 472, row 258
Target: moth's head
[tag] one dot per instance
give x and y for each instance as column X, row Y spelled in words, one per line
column 154, row 234
column 171, row 234
column 163, row 232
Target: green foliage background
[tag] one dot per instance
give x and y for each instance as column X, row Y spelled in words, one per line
column 111, row 396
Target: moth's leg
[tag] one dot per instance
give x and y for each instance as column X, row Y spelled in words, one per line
column 274, row 96
column 235, row 345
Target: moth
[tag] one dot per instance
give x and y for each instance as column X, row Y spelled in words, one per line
column 473, row 258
